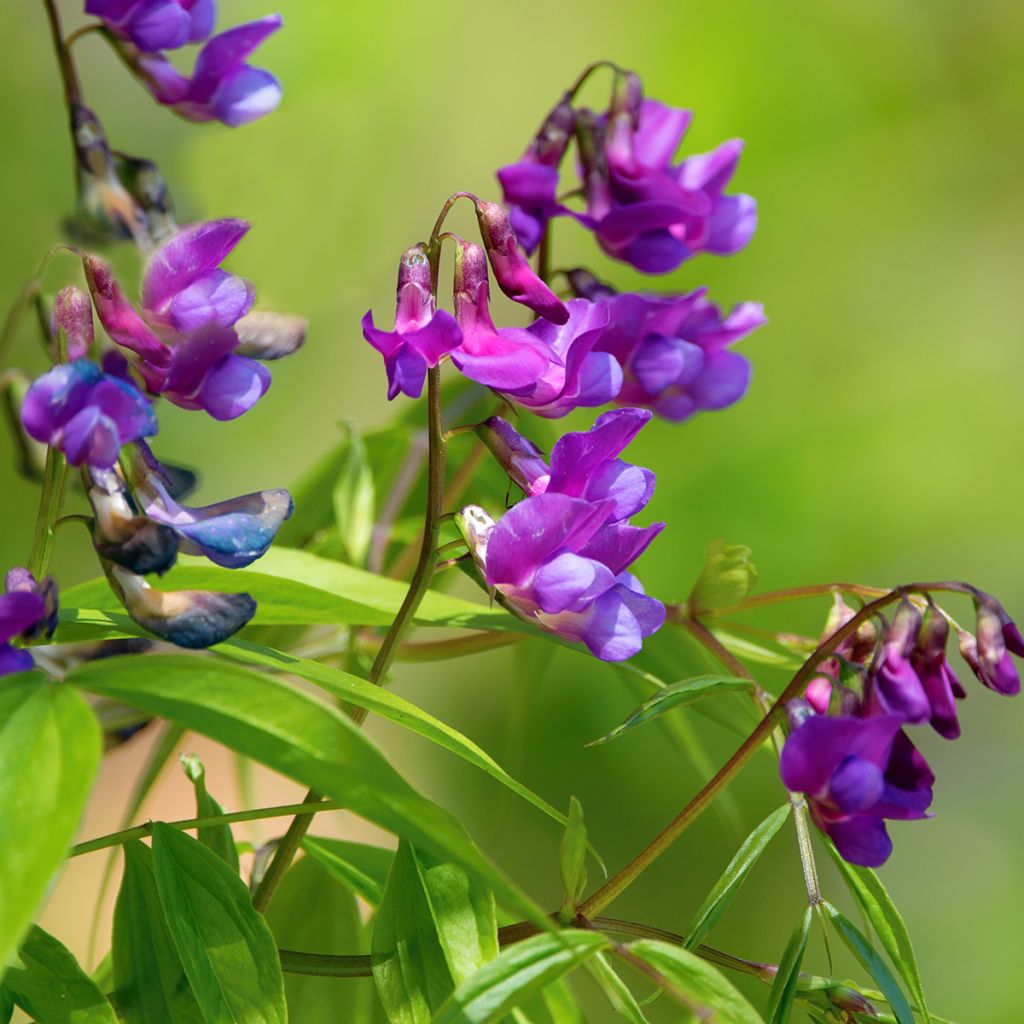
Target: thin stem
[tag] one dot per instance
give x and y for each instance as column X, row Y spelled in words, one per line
column 435, row 235
column 803, row 838
column 544, row 255
column 141, row 831
column 582, row 77
column 79, row 33
column 711, row 643
column 50, row 499
column 616, row 885
column 797, row 594
column 286, row 849
column 68, row 73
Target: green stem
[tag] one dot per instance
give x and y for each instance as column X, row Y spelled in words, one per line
column 616, row 885
column 49, row 509
column 68, row 73
column 141, row 831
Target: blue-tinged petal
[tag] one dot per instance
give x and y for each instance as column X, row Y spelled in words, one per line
column 861, row 839
column 14, row 659
column 568, row 582
column 233, row 386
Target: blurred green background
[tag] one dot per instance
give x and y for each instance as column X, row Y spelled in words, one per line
column 881, row 440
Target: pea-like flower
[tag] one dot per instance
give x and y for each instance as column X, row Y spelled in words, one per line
column 674, row 350
column 422, row 334
column 856, row 773
column 27, row 608
column 88, row 414
column 152, row 25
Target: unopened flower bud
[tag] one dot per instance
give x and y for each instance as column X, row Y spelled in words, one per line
column 623, row 120
column 819, row 693
column 894, row 685
column 475, row 525
column 521, row 459
column 585, row 286
column 72, row 314
column 146, row 185
column 20, row 581
column 549, row 145
column 415, row 302
column 511, row 270
column 997, row 670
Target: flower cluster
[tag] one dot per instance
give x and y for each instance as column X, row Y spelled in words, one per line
column 849, row 752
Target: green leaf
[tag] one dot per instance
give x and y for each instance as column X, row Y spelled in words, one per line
column 49, row 752
column 873, row 964
column 361, row 869
column 877, row 904
column 727, row 577
column 297, row 735
column 6, row 1005
column 615, row 989
column 353, row 498
column 681, row 694
column 695, row 983
column 312, row 913
column 435, row 927
column 517, row 973
column 744, row 647
column 784, row 987
column 46, row 981
column 734, row 875
column 226, row 947
column 573, row 860
column 148, row 975
column 217, row 837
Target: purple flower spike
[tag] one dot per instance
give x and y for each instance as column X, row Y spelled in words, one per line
column 222, row 87
column 152, row 25
column 86, row 413
column 422, row 336
column 72, row 314
column 511, row 270
column 856, row 772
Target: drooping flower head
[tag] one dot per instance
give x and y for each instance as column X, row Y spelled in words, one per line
column 27, row 608
column 422, row 334
column 674, row 350
column 152, row 25
column 88, row 414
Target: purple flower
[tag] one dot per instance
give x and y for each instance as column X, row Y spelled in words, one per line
column 941, row 686
column 222, row 87
column 856, row 772
column 186, row 342
column 893, row 685
column 86, row 413
column 647, row 212
column 583, row 465
column 556, row 562
column 674, row 350
column 988, row 655
column 152, row 25
column 530, row 185
column 27, row 608
column 422, row 335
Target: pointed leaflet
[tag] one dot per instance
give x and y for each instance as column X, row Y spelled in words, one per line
column 780, row 999
column 45, row 980
column 217, row 837
column 360, row 868
column 734, row 875
column 681, row 694
column 226, row 947
column 878, row 907
column 517, row 973
column 312, row 913
column 49, row 752
column 701, row 987
column 573, row 861
column 354, row 499
column 873, row 963
column 297, row 735
column 727, row 577
column 435, row 927
column 615, row 989
column 148, row 976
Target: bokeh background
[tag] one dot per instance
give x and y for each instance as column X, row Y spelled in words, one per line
column 881, row 440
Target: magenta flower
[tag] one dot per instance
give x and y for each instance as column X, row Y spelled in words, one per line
column 223, row 86
column 422, row 335
column 88, row 414
column 27, row 608
column 674, row 350
column 151, row 25
column 856, row 772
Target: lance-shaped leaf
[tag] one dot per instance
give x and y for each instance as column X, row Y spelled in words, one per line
column 695, row 984
column 354, row 499
column 734, row 875
column 148, row 975
column 878, row 907
column 727, row 577
column 615, row 989
column 49, row 752
column 780, row 999
column 312, row 913
column 360, row 868
column 297, row 735
column 45, row 980
column 573, row 861
column 217, row 837
column 435, row 927
column 873, row 964
column 226, row 947
column 681, row 694
column 517, row 973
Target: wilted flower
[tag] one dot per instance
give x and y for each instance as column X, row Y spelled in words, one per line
column 674, row 350
column 88, row 414
column 152, row 25
column 856, row 772
column 27, row 608
column 422, row 335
